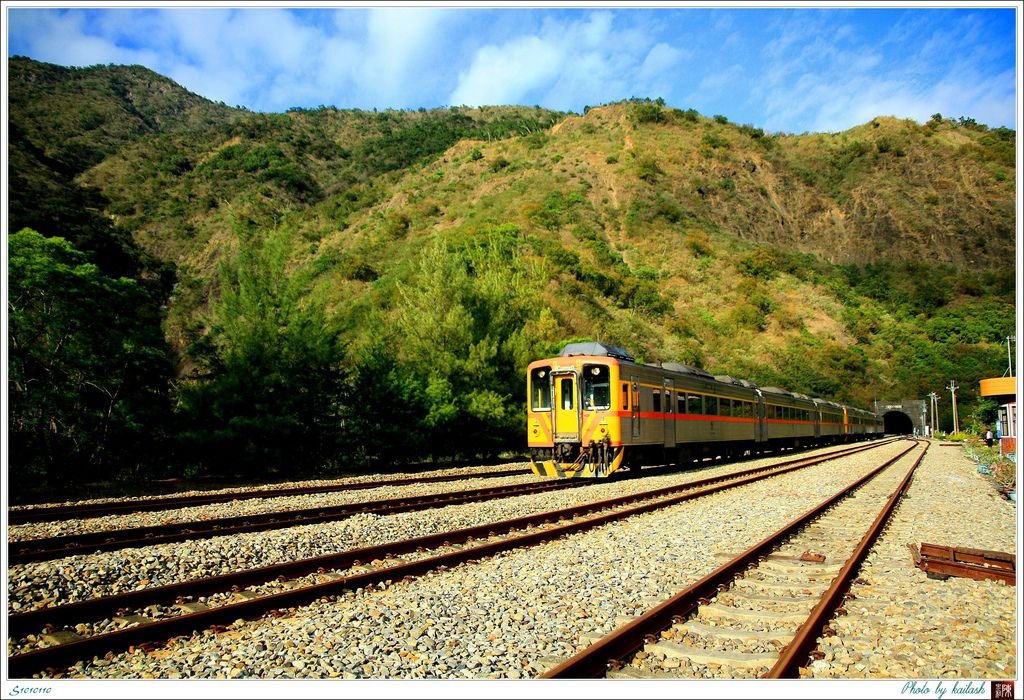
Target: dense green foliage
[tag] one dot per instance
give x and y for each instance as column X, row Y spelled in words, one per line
column 443, row 377
column 88, row 369
column 266, row 395
column 341, row 289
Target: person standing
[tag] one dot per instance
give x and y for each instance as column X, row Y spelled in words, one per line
column 989, row 439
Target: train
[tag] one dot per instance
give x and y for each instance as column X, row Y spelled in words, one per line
column 593, row 410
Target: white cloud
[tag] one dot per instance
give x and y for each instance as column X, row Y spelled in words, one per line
column 566, row 64
column 507, row 74
column 791, row 70
column 919, row 68
column 61, row 38
column 659, row 60
column 398, row 43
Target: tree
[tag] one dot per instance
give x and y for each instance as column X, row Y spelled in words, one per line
column 460, row 329
column 89, row 371
column 266, row 395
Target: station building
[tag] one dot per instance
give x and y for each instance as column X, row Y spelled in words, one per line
column 1003, row 390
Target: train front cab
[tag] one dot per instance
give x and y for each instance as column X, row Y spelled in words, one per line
column 574, row 416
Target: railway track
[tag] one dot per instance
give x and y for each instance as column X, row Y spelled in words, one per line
column 762, row 610
column 48, row 548
column 44, row 549
column 497, row 537
column 21, row 516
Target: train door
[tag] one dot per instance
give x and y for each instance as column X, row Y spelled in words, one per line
column 635, row 388
column 761, row 426
column 567, row 415
column 669, row 414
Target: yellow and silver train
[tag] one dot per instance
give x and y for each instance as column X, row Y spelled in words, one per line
column 594, row 409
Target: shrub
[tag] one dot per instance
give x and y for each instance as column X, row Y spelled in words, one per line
column 647, row 169
column 714, row 141
column 647, row 113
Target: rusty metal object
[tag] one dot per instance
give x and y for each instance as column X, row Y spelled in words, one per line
column 977, row 564
column 797, row 651
column 812, row 556
column 94, row 510
column 24, row 665
column 592, row 661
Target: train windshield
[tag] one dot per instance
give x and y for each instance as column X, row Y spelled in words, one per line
column 540, row 388
column 597, row 388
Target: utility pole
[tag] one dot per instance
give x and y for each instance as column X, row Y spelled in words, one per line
column 933, row 421
column 952, row 390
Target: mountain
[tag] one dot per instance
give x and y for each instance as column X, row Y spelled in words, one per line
column 437, row 251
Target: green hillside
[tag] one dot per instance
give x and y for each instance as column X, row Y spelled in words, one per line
column 340, row 288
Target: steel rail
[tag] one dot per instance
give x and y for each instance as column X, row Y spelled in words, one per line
column 21, row 516
column 796, row 652
column 58, row 657
column 44, row 549
column 608, row 652
column 92, row 608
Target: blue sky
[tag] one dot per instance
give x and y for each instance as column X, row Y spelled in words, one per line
column 783, row 69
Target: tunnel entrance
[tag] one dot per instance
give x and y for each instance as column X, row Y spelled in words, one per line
column 898, row 423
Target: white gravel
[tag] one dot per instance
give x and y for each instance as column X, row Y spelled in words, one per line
column 503, row 616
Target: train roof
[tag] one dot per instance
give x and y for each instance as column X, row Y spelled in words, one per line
column 597, row 350
column 686, row 369
column 726, row 379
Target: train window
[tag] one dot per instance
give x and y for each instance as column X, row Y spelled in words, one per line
column 657, row 401
column 597, row 388
column 566, row 391
column 625, row 396
column 694, row 404
column 724, row 407
column 540, row 389
column 711, row 405
column 680, row 402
